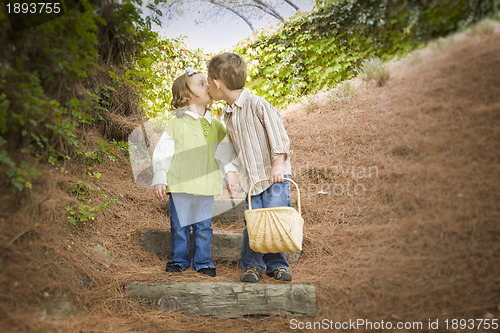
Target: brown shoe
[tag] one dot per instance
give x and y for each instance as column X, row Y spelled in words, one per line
column 251, row 274
column 281, row 274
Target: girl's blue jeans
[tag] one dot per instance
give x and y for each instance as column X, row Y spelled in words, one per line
column 277, row 195
column 191, row 207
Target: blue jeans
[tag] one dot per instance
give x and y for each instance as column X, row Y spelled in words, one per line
column 277, row 195
column 191, row 207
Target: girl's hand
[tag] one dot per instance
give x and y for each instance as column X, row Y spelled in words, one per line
column 233, row 183
column 160, row 190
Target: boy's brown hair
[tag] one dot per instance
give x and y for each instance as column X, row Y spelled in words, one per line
column 230, row 68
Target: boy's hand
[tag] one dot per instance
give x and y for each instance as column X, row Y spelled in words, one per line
column 277, row 174
column 277, row 171
column 233, row 183
column 160, row 190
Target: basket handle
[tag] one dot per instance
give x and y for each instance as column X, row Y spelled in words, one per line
column 263, row 180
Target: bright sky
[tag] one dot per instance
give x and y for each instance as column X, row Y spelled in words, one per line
column 216, row 36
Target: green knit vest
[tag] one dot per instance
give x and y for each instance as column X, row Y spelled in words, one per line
column 193, row 168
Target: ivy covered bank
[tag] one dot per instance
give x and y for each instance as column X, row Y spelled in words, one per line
column 317, row 50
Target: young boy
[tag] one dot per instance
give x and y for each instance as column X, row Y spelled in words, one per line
column 256, row 130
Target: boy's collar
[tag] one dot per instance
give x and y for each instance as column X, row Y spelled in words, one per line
column 239, row 101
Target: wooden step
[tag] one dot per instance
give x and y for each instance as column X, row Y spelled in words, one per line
column 226, row 246
column 226, row 299
column 228, row 210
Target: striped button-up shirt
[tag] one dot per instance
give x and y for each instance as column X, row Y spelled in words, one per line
column 256, row 130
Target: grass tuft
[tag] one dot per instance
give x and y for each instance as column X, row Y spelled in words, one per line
column 374, row 70
column 342, row 93
column 482, row 28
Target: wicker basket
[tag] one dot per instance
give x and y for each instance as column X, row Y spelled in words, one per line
column 274, row 230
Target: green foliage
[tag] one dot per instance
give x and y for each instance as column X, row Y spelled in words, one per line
column 85, row 211
column 315, row 51
column 4, row 155
column 68, row 74
column 30, row 113
column 93, row 174
column 21, row 174
column 157, row 66
column 103, row 151
column 48, row 89
column 121, row 146
column 38, row 69
column 39, row 328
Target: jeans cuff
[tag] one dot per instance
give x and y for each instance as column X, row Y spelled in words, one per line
column 259, row 267
column 272, row 269
column 204, row 266
column 180, row 265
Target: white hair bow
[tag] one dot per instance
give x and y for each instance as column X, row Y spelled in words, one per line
column 190, row 71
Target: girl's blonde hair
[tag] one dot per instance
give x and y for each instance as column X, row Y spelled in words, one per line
column 182, row 94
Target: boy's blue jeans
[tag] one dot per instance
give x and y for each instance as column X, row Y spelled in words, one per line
column 191, row 207
column 277, row 195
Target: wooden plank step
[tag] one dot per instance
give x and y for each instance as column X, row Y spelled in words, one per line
column 226, row 299
column 228, row 210
column 226, row 246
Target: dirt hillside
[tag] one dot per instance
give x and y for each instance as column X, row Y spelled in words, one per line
column 400, row 198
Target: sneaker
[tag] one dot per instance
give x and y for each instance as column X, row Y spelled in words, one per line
column 173, row 269
column 280, row 274
column 208, row 271
column 251, row 274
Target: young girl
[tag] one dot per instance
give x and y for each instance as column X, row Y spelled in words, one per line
column 184, row 165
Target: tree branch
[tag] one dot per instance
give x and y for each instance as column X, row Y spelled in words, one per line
column 293, row 5
column 268, row 9
column 213, row 2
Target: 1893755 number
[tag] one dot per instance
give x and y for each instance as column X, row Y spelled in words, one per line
column 34, row 8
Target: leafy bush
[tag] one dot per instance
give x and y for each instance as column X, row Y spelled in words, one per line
column 317, row 50
column 62, row 77
column 157, row 66
column 38, row 115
